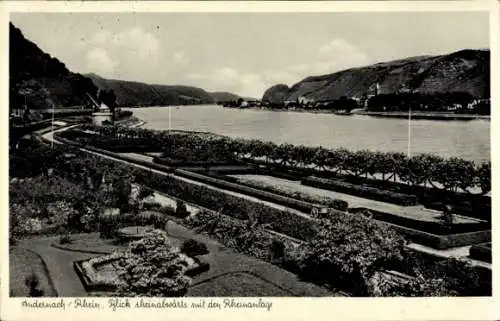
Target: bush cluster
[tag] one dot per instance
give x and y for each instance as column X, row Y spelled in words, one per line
column 193, row 247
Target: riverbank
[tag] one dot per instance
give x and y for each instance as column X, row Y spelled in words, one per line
column 424, row 115
column 361, row 111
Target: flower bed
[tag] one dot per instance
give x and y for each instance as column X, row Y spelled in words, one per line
column 361, row 191
column 93, row 280
column 287, row 192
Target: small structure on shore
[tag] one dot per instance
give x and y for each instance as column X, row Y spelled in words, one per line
column 103, row 114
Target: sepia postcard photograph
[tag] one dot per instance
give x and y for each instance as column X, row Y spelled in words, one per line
column 194, row 158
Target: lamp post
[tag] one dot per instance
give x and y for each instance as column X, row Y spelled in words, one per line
column 52, row 129
column 409, row 132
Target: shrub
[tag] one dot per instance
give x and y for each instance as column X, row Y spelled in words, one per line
column 153, row 267
column 108, row 226
column 277, row 250
column 151, row 206
column 33, row 284
column 181, row 209
column 65, row 239
column 348, row 251
column 339, row 205
column 193, row 247
column 159, row 221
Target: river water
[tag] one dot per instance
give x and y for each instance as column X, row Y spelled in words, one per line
column 465, row 139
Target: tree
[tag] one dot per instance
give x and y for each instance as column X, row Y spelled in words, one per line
column 108, row 97
column 153, row 267
column 348, row 250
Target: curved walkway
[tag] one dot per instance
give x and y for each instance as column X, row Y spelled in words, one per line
column 59, row 265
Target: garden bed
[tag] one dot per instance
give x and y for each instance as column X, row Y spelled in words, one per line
column 442, row 242
column 173, row 162
column 478, row 206
column 250, row 191
column 100, row 274
column 433, row 227
column 283, row 191
column 362, row 191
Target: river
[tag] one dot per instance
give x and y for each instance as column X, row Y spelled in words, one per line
column 465, row 139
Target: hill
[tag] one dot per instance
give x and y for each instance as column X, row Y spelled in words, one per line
column 465, row 71
column 131, row 93
column 42, row 80
column 224, row 96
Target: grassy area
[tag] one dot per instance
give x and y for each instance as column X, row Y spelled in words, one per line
column 90, row 243
column 247, row 285
column 22, row 264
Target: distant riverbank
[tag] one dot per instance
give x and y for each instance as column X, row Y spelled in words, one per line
column 424, row 115
column 360, row 111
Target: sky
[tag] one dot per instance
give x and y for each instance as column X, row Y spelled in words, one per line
column 244, row 53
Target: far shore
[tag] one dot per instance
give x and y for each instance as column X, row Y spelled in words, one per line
column 425, row 115
column 395, row 114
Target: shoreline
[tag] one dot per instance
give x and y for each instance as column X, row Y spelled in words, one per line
column 415, row 115
column 425, row 115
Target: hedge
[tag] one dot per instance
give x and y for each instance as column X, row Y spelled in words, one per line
column 425, row 226
column 280, row 221
column 335, row 203
column 181, row 163
column 442, row 242
column 264, row 195
column 481, row 252
column 361, row 191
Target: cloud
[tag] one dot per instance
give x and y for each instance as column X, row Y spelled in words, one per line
column 253, row 85
column 116, row 55
column 99, row 61
column 140, row 44
column 342, row 53
column 226, row 78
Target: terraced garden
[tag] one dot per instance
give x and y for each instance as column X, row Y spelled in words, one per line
column 237, row 216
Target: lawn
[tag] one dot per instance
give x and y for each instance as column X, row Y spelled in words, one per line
column 247, row 285
column 22, row 264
